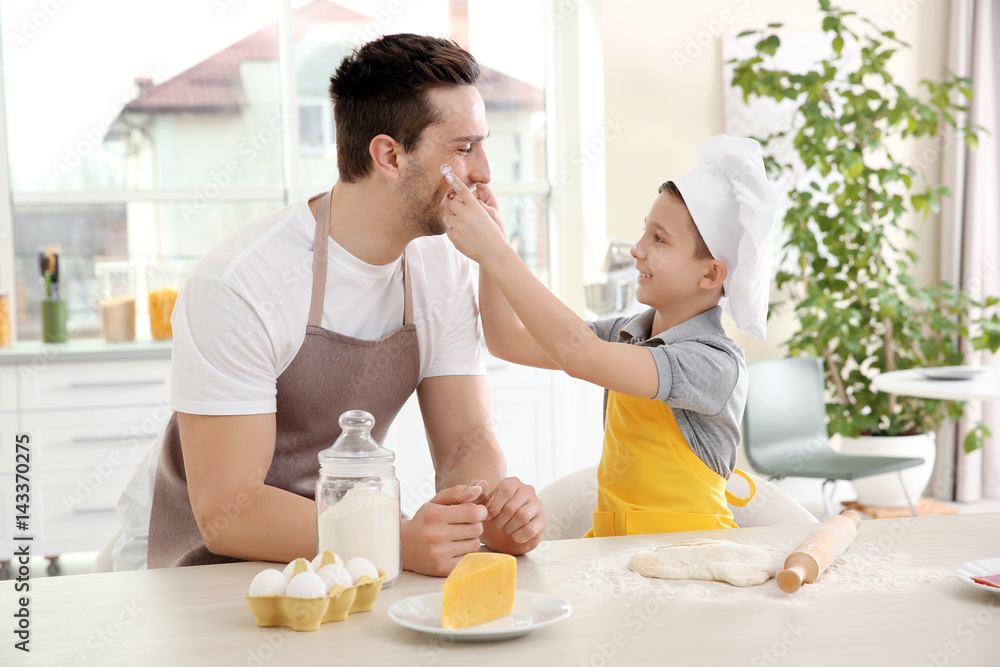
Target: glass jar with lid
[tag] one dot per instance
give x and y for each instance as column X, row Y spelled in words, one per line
column 357, row 497
column 117, row 282
column 163, row 282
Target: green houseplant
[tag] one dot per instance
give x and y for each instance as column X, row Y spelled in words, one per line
column 852, row 289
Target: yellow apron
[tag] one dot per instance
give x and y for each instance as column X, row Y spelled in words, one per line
column 649, row 480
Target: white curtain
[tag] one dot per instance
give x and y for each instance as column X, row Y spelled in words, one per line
column 970, row 234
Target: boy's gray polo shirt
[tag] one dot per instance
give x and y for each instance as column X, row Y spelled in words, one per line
column 703, row 378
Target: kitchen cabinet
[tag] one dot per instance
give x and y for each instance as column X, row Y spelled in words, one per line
column 8, row 418
column 8, row 390
column 8, row 429
column 93, row 384
column 91, row 410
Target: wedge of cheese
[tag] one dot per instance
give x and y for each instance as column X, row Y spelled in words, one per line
column 479, row 589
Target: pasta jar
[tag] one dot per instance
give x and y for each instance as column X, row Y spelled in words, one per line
column 5, row 318
column 357, row 497
column 163, row 282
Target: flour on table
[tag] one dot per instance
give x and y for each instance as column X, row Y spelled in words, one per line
column 709, row 560
column 864, row 568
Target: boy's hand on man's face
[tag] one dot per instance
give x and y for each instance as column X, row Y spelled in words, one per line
column 472, row 227
column 484, row 194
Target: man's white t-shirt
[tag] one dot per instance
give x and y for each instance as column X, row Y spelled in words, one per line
column 241, row 318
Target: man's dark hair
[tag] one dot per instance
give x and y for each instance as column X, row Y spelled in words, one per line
column 701, row 250
column 382, row 88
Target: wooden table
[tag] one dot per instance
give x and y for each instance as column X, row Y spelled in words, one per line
column 196, row 615
column 912, row 382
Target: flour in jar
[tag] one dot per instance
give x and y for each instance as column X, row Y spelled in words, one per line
column 365, row 522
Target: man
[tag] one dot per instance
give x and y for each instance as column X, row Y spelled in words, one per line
column 276, row 336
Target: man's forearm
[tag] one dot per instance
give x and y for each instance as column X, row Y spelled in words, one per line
column 480, row 458
column 265, row 523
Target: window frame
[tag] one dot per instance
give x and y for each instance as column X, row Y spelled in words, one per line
column 562, row 204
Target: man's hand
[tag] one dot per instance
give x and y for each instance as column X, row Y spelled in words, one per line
column 444, row 529
column 516, row 519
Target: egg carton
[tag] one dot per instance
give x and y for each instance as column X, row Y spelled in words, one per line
column 307, row 614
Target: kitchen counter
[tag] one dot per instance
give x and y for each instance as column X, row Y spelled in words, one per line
column 197, row 615
column 84, row 349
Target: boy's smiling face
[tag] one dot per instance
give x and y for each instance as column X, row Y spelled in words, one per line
column 670, row 274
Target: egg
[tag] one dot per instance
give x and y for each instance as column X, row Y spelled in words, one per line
column 268, row 582
column 361, row 567
column 306, row 585
column 317, row 563
column 335, row 575
column 291, row 567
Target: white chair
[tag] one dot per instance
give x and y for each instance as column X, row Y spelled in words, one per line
column 770, row 506
column 569, row 500
column 103, row 561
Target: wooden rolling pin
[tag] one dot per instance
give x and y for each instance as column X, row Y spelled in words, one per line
column 808, row 560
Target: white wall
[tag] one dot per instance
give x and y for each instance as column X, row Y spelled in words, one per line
column 667, row 109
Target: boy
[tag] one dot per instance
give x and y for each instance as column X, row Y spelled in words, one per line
column 676, row 392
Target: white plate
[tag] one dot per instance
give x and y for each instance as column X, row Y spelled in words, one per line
column 979, row 568
column 950, row 373
column 531, row 612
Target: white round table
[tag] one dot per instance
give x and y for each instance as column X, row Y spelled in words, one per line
column 913, row 382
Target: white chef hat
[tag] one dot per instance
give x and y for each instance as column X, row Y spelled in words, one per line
column 733, row 206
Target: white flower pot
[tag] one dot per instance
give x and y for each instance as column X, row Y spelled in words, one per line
column 885, row 490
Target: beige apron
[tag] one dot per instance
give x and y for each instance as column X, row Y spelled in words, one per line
column 330, row 374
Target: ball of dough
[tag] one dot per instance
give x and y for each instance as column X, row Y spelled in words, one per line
column 709, row 560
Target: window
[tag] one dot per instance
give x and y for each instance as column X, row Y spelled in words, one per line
column 148, row 148
column 316, row 134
